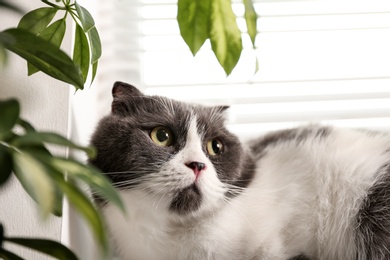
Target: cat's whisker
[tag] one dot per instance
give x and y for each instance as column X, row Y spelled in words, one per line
column 128, row 183
column 312, row 190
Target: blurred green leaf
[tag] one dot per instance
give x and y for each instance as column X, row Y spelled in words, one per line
column 37, row 151
column 6, row 4
column 37, row 20
column 45, row 246
column 251, row 20
column 96, row 46
column 94, row 70
column 43, row 55
column 7, row 255
column 85, row 207
column 91, row 176
column 26, row 125
column 35, row 180
column 6, row 165
column 1, row 235
column 193, row 18
column 54, row 34
column 81, row 51
column 3, row 56
column 9, row 115
column 85, row 17
column 38, row 138
column 225, row 35
column 78, row 171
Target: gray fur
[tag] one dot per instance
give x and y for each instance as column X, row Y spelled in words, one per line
column 373, row 220
column 124, row 146
column 128, row 157
column 296, row 135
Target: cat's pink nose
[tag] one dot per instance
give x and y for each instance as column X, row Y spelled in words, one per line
column 197, row 167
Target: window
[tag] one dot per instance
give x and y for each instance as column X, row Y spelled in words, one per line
column 325, row 61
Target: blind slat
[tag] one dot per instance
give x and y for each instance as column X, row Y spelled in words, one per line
column 325, row 60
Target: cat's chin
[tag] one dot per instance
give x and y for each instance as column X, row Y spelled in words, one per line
column 186, row 200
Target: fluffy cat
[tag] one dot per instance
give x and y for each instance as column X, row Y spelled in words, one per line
column 193, row 191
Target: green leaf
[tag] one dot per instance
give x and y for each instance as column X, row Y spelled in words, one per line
column 85, row 17
column 37, row 20
column 26, row 125
column 78, row 171
column 35, row 180
column 251, row 20
column 9, row 115
column 54, row 34
column 96, row 46
column 81, row 51
column 38, row 138
column 90, row 176
column 6, row 165
column 1, row 235
column 7, row 255
column 85, row 207
column 224, row 35
column 3, row 56
column 45, row 246
column 94, row 70
column 37, row 152
column 43, row 55
column 193, row 18
column 31, row 70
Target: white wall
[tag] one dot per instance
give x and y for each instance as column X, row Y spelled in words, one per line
column 45, row 104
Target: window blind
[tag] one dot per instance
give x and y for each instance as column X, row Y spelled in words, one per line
column 319, row 61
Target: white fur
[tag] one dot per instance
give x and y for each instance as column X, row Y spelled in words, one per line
column 303, row 199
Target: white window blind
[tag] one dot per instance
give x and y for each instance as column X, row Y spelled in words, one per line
column 326, row 61
column 319, row 61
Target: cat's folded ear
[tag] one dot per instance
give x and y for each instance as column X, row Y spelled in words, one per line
column 222, row 109
column 122, row 92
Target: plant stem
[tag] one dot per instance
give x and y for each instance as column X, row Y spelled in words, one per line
column 53, row 5
column 74, row 16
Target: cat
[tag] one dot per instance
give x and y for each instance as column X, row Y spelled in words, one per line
column 194, row 191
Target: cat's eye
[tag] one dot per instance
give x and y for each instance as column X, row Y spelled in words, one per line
column 215, row 147
column 161, row 136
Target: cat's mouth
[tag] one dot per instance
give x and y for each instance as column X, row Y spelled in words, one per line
column 186, row 200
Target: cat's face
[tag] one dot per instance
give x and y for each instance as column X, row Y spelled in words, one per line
column 170, row 150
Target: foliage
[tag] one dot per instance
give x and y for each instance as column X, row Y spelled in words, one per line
column 45, row 177
column 215, row 20
column 48, row 247
column 38, row 39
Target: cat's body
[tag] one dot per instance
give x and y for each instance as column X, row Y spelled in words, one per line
column 312, row 193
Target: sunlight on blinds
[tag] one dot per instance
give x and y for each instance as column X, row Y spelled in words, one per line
column 325, row 61
column 313, row 40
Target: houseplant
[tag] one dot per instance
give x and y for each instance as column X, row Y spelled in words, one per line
column 37, row 39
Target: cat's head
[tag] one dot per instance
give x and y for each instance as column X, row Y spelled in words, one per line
column 170, row 150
